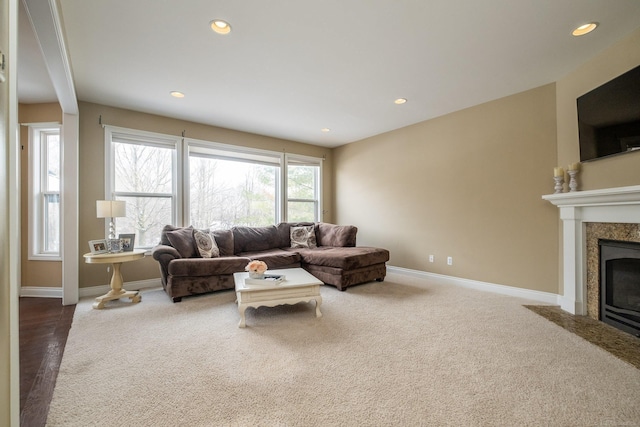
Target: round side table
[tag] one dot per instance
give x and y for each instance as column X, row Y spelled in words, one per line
column 115, row 259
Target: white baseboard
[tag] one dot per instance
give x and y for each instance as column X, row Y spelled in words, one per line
column 572, row 306
column 40, row 292
column 93, row 291
column 543, row 297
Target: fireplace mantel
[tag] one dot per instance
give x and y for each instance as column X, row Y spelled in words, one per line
column 621, row 204
column 607, row 196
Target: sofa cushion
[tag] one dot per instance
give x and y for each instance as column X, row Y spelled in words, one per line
column 206, row 244
column 163, row 234
column 251, row 239
column 342, row 279
column 284, row 230
column 303, row 237
column 336, row 235
column 275, row 258
column 182, row 240
column 224, row 241
column 349, row 258
column 207, row 266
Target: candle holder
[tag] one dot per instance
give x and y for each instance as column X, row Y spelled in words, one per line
column 573, row 182
column 559, row 184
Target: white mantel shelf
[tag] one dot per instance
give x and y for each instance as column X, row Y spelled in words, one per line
column 604, row 197
column 621, row 205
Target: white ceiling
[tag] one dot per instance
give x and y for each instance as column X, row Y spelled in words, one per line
column 292, row 67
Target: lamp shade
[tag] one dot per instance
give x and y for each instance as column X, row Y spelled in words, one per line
column 111, row 208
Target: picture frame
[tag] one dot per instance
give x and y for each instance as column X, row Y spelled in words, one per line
column 114, row 245
column 128, row 241
column 98, row 246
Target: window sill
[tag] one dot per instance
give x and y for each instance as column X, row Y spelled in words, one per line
column 56, row 258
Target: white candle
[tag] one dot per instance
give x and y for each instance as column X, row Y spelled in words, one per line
column 558, row 172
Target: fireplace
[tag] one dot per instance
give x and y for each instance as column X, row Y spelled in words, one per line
column 620, row 285
column 577, row 208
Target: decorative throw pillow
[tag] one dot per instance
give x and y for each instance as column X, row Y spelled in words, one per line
column 182, row 240
column 206, row 244
column 303, row 237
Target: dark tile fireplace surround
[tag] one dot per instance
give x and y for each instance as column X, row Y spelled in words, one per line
column 613, row 281
column 594, row 233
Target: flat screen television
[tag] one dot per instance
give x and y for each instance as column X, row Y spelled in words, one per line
column 609, row 118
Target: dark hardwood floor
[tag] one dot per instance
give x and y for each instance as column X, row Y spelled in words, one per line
column 44, row 327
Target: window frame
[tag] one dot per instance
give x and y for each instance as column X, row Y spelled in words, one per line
column 38, row 192
column 184, row 147
column 139, row 137
column 300, row 160
column 216, row 150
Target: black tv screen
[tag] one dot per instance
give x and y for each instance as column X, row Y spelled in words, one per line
column 609, row 118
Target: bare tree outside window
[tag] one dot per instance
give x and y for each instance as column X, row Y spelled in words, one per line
column 144, row 179
column 227, row 186
column 51, row 191
column 302, row 193
column 224, row 193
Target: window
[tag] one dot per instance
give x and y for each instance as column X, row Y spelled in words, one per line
column 228, row 188
column 44, row 192
column 168, row 180
column 303, row 189
column 142, row 172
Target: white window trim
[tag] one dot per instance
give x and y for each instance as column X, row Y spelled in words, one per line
column 35, row 203
column 255, row 155
column 181, row 167
column 312, row 161
column 151, row 138
column 250, row 154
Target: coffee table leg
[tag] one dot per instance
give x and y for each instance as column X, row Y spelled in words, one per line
column 318, row 302
column 241, row 310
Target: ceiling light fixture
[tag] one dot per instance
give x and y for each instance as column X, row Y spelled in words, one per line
column 584, row 29
column 325, row 130
column 177, row 94
column 220, row 26
column 400, row 101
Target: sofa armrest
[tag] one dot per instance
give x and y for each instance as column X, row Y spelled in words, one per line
column 336, row 235
column 164, row 254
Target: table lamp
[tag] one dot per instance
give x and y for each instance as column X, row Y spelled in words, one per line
column 112, row 209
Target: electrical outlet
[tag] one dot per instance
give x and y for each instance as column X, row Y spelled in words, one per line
column 449, row 260
column 430, row 258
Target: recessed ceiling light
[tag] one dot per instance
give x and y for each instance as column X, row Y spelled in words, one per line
column 220, row 26
column 400, row 101
column 325, row 130
column 584, row 29
column 177, row 94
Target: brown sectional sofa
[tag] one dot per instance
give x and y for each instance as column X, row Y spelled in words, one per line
column 336, row 260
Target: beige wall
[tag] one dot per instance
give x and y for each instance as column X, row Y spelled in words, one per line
column 615, row 171
column 466, row 185
column 34, row 273
column 92, row 173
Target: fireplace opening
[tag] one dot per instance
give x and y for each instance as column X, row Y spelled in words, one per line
column 620, row 285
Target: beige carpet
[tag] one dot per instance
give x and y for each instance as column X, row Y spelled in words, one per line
column 400, row 353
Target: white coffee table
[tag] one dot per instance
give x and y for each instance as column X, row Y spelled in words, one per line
column 299, row 286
